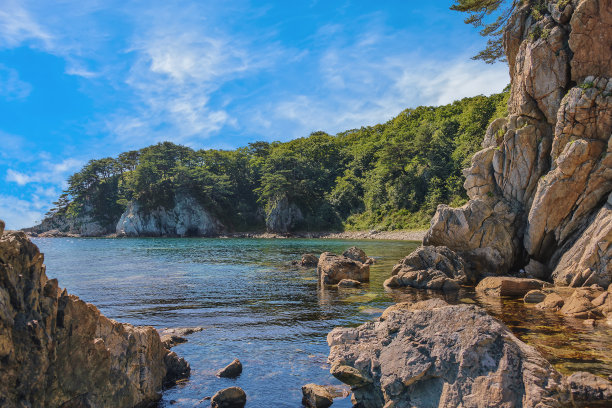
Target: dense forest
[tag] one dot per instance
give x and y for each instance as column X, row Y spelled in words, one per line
column 387, row 176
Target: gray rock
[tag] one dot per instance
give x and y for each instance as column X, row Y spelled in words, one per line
column 186, row 218
column 232, row 370
column 283, row 216
column 316, row 396
column 232, row 397
column 430, row 267
column 437, row 355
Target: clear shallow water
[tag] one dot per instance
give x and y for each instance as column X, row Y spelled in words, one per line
column 272, row 316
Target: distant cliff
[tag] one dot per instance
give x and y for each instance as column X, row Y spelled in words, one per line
column 383, row 177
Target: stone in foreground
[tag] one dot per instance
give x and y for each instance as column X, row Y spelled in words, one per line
column 498, row 286
column 233, row 370
column 316, row 396
column 429, row 267
column 349, row 283
column 56, row 350
column 333, row 268
column 438, row 355
column 232, row 397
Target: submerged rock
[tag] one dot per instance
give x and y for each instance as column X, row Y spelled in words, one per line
column 309, row 260
column 186, row 217
column 333, row 268
column 433, row 354
column 232, row 370
column 316, row 396
column 429, row 267
column 498, row 286
column 232, row 397
column 56, row 349
column 534, row 296
column 589, row 390
column 349, row 283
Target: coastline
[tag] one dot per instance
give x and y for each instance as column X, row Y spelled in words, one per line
column 397, row 235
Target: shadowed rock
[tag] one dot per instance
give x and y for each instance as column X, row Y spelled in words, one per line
column 232, row 370
column 316, row 396
column 232, row 397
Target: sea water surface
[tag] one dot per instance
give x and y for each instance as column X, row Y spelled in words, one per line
column 274, row 317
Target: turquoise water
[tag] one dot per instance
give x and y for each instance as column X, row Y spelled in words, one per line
column 273, row 316
column 253, row 304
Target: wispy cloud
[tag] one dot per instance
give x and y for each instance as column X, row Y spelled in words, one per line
column 18, row 213
column 17, row 26
column 49, row 172
column 11, row 87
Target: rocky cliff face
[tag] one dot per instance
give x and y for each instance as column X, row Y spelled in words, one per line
column 283, row 216
column 59, row 225
column 56, row 350
column 186, row 218
column 540, row 188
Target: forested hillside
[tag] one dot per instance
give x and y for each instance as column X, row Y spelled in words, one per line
column 388, row 176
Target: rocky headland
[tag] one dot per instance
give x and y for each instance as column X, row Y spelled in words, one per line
column 56, row 350
column 538, row 226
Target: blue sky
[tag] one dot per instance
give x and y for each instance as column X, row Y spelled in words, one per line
column 89, row 79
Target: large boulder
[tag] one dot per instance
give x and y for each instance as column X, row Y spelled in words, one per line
column 56, row 349
column 316, row 396
column 432, row 354
column 430, row 267
column 232, row 397
column 187, row 217
column 333, row 268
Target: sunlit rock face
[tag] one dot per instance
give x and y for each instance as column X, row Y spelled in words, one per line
column 56, row 350
column 186, row 217
column 539, row 190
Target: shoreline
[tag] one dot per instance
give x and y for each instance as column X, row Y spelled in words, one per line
column 397, row 235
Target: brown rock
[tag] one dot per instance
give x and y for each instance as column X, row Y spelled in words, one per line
column 333, row 268
column 309, row 260
column 232, row 370
column 349, row 283
column 579, row 304
column 590, row 39
column 498, row 286
column 316, row 396
column 232, row 397
column 552, row 301
column 356, row 254
column 534, row 296
column 56, row 349
column 537, row 270
column 588, row 390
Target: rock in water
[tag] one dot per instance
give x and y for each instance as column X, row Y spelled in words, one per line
column 232, row 397
column 316, row 396
column 333, row 268
column 186, row 217
column 309, row 260
column 356, row 254
column 436, row 355
column 498, row 286
column 349, row 283
column 232, row 370
column 56, row 349
column 430, row 267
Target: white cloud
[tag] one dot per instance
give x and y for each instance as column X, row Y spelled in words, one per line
column 19, row 213
column 17, row 26
column 55, row 173
column 11, row 87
